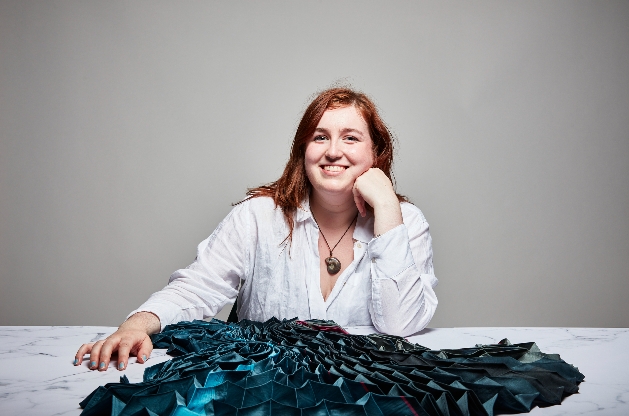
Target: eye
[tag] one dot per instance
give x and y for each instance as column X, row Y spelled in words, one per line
column 351, row 138
column 320, row 138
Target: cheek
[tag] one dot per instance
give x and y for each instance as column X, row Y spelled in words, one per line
column 363, row 157
column 311, row 161
column 371, row 158
column 310, row 157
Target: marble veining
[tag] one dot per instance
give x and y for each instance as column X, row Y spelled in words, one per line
column 37, row 376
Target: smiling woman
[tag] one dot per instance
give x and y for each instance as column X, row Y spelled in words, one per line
column 330, row 240
column 340, row 151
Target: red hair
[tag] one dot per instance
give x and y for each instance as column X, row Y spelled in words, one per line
column 293, row 186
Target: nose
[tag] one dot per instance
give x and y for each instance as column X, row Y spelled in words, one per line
column 333, row 152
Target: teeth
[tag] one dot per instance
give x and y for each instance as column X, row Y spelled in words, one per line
column 334, row 168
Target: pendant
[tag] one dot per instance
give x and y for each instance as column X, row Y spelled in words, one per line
column 334, row 265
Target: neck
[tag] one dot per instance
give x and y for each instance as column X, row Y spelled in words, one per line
column 332, row 213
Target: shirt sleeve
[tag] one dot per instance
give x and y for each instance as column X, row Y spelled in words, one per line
column 202, row 289
column 403, row 279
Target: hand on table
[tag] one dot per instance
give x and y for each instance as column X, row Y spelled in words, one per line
column 131, row 339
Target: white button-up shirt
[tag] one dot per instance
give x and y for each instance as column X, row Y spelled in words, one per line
column 389, row 284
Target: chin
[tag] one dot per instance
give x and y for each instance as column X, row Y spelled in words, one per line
column 335, row 190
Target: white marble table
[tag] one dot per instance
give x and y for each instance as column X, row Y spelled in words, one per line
column 37, row 376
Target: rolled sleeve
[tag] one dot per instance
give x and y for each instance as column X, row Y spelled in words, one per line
column 390, row 253
column 211, row 281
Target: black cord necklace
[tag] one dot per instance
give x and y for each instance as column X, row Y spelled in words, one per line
column 333, row 264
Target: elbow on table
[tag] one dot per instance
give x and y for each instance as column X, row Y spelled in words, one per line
column 407, row 323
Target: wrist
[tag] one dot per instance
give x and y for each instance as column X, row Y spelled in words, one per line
column 387, row 214
column 388, row 210
column 386, row 198
column 386, row 204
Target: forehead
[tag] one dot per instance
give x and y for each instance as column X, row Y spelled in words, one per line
column 343, row 117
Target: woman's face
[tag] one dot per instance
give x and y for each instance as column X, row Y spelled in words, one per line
column 339, row 151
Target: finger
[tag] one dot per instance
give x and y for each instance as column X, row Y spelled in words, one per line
column 94, row 355
column 109, row 346
column 360, row 202
column 85, row 349
column 145, row 350
column 124, row 348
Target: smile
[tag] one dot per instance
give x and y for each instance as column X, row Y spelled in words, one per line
column 333, row 168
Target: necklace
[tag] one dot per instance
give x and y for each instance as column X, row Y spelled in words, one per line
column 333, row 264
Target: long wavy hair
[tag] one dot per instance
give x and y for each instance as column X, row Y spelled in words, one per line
column 293, row 186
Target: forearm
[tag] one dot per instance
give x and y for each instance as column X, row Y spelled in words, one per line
column 387, row 215
column 190, row 295
column 207, row 285
column 143, row 321
column 403, row 277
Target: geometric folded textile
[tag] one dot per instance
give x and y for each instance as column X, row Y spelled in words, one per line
column 292, row 367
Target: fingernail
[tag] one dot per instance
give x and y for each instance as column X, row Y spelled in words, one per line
column 102, row 364
column 144, row 358
column 92, row 364
column 120, row 366
column 76, row 361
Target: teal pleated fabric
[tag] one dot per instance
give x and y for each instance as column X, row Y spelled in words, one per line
column 293, row 367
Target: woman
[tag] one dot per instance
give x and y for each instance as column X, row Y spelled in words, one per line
column 330, row 239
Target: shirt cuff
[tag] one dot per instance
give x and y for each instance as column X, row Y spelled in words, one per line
column 390, row 253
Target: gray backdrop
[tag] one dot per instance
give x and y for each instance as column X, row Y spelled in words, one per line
column 128, row 128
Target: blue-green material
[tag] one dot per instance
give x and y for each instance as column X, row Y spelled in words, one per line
column 292, row 368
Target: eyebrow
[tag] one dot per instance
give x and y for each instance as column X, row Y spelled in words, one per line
column 346, row 130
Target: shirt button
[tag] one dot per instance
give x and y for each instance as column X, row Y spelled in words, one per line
column 373, row 259
column 358, row 245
